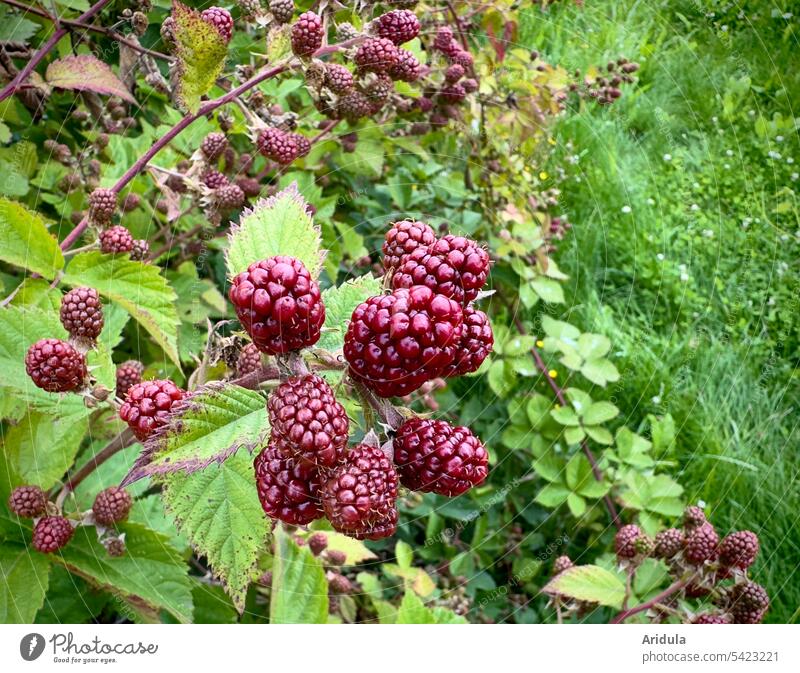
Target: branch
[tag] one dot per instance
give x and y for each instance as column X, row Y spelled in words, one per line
column 673, row 588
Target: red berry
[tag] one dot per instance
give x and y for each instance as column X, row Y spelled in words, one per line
column 376, row 55
column 147, row 406
column 434, row 457
column 82, row 313
column 353, row 106
column 669, row 542
column 307, row 34
column 693, row 517
column 475, row 345
column 452, row 93
column 102, row 205
column 278, row 304
column 748, row 602
column 282, row 10
column 445, row 41
column 360, row 496
column 317, row 543
column 140, row 251
column 397, row 342
column 711, row 618
column 701, row 544
column 561, row 564
column 338, row 78
column 625, row 541
column 27, row 501
column 115, row 547
column 250, row 186
column 278, row 145
column 398, row 26
column 51, row 533
column 407, row 68
column 128, row 374
column 221, row 19
column 55, row 366
column 462, row 58
column 739, row 550
column 249, row 360
column 402, row 239
column 302, row 144
column 453, row 266
column 287, row 488
column 131, row 202
column 454, row 73
column 469, row 85
column 229, row 197
column 214, row 145
column 213, row 179
column 116, row 240
column 112, row 505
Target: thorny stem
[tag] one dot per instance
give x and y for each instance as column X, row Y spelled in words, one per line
column 461, row 35
column 672, row 589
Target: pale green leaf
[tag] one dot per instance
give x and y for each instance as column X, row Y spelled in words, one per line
column 599, row 434
column 559, row 329
column 593, row 345
column 552, row 495
column 299, row 587
column 600, row 371
column 26, row 242
column 576, row 504
column 413, row 611
column 24, row 577
column 355, row 551
column 548, row 289
column 565, row 416
column 589, row 583
column 599, row 412
column 404, row 554
column 340, row 302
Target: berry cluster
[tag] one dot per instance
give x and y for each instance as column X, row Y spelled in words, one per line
column 605, row 89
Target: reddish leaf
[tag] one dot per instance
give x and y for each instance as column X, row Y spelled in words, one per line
column 86, row 73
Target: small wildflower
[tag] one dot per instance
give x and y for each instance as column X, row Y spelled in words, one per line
column 626, row 209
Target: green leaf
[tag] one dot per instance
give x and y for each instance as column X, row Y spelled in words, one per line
column 574, row 435
column 139, row 288
column 207, row 427
column 599, row 412
column 201, row 55
column 599, row 434
column 548, row 289
column 501, row 378
column 16, row 28
column 600, row 371
column 576, row 504
column 299, row 587
column 340, row 302
column 151, row 575
column 219, row 512
column 355, row 550
column 279, row 225
column 552, row 495
column 413, row 611
column 84, row 72
column 588, row 583
column 24, row 578
column 404, row 554
column 559, row 329
column 593, row 345
column 565, row 416
column 26, row 242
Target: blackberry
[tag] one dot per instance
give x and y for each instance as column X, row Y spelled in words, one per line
column 249, row 360
column 317, row 543
column 453, row 266
column 644, row 545
column 345, row 31
column 711, row 618
column 278, row 145
column 229, row 197
column 402, row 239
column 475, row 345
column 398, row 26
column 435, row 457
column 445, row 41
column 462, row 58
column 701, row 544
column 116, row 240
column 376, row 55
column 395, row 343
column 302, row 144
column 338, row 78
column 140, row 251
column 129, row 373
column 282, row 10
column 693, row 517
column 102, row 206
column 112, row 505
column 360, row 497
column 561, row 564
column 349, row 142
column 82, row 313
column 424, row 104
column 335, row 557
column 55, row 366
column 131, row 202
column 303, row 412
column 221, row 19
column 377, row 90
column 27, row 501
column 115, row 547
column 214, row 146
column 353, row 106
column 739, row 550
column 454, row 73
column 748, row 602
column 469, row 85
column 147, row 406
column 339, row 584
column 307, row 34
column 249, row 186
column 213, row 179
column 287, row 488
column 625, row 541
column 452, row 93
column 669, row 542
column 278, row 304
column 51, row 533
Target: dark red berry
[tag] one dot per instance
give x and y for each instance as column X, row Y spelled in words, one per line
column 131, row 202
column 453, row 266
column 353, row 106
column 462, row 58
column 147, row 406
column 454, row 73
column 445, row 41
column 214, row 145
column 115, row 547
column 140, row 251
column 213, row 179
column 407, row 68
column 129, row 373
column 250, row 186
column 303, row 412
column 82, row 313
column 360, row 496
column 307, row 34
column 27, row 501
column 249, row 360
column 278, row 145
column 278, row 304
column 701, row 544
column 55, row 366
column 748, row 602
column 435, row 457
column 739, row 550
column 339, row 584
column 693, row 517
column 376, row 55
column 229, row 197
column 282, row 10
column 669, row 542
column 102, row 206
column 475, row 345
column 338, row 78
column 397, row 342
column 452, row 93
column 302, row 144
column 221, row 19
column 116, row 240
column 625, row 541
column 317, row 543
column 469, row 85
column 398, row 26
column 51, row 533
column 112, row 505
column 711, row 618
column 336, row 557
column 287, row 488
column 403, row 238
column 561, row 564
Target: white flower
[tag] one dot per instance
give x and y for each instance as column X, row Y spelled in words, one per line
column 651, row 202
column 794, row 176
column 667, row 157
column 729, row 152
column 714, row 119
column 772, row 154
column 727, row 166
column 684, row 277
column 695, row 207
column 626, row 209
column 708, row 233
column 789, row 160
column 752, row 113
column 660, row 256
column 778, row 139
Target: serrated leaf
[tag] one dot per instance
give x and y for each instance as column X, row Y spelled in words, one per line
column 588, row 583
column 139, row 288
column 548, row 289
column 207, row 427
column 299, row 587
column 600, row 412
column 413, row 611
column 218, row 511
column 16, row 28
column 85, row 72
column 552, row 495
column 25, row 241
column 24, row 578
column 279, row 42
column 340, row 302
column 201, row 55
column 278, row 225
column 565, row 416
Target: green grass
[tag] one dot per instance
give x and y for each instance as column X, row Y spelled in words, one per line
column 697, row 286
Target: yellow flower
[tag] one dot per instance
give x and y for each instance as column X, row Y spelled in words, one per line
column 552, row 373
column 540, row 344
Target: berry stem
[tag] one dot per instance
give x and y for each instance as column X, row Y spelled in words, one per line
column 385, row 410
column 461, row 35
column 671, row 589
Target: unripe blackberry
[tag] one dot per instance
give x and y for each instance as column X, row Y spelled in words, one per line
column 112, row 505
column 711, row 618
column 115, row 547
column 462, row 58
column 403, row 238
column 278, row 145
column 625, row 541
column 398, row 26
column 82, row 313
column 282, row 10
column 214, row 146
column 424, row 104
column 317, row 543
column 140, row 251
column 307, row 34
column 51, row 533
column 335, row 557
column 748, row 602
column 55, row 366
column 669, row 542
column 338, row 78
column 360, row 497
column 739, row 550
column 249, row 360
column 477, row 341
column 435, row 457
column 561, row 564
column 693, row 517
column 644, row 545
column 102, row 206
column 445, row 41
column 377, row 90
column 453, row 266
column 167, row 31
column 339, row 584
column 116, row 240
column 701, row 544
column 287, row 488
column 305, row 414
column 345, row 31
column 397, row 342
column 452, row 93
column 376, row 55
column 213, row 179
column 469, row 85
column 27, row 501
column 131, row 202
column 129, row 373
column 221, row 19
column 147, row 406
column 454, row 73
column 353, row 106
column 250, row 186
column 278, row 304
column 229, row 197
